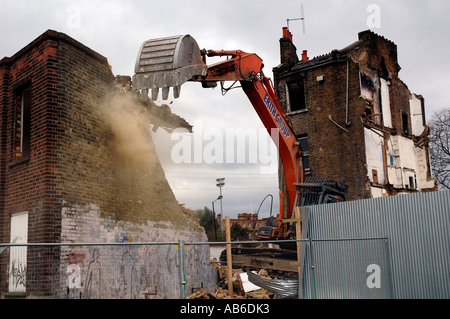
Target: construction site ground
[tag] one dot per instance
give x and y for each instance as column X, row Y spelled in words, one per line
column 240, row 287
column 267, row 263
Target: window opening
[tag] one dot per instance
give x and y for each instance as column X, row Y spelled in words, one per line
column 405, row 123
column 372, row 92
column 296, row 96
column 367, row 86
column 303, row 140
column 375, row 176
column 22, row 122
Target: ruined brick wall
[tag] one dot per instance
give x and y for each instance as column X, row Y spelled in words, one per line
column 334, row 126
column 28, row 183
column 4, row 77
column 89, row 148
column 377, row 58
column 335, row 153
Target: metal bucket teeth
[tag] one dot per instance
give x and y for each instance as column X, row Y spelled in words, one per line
column 176, row 91
column 165, row 93
column 155, row 92
column 167, row 62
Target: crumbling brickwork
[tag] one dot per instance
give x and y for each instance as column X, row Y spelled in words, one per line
column 85, row 145
column 344, row 100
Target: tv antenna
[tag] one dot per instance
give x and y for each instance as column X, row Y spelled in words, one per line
column 302, row 17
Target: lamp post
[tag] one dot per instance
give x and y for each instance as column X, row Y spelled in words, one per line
column 220, row 183
column 214, row 214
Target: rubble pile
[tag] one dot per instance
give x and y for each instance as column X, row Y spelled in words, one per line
column 242, row 287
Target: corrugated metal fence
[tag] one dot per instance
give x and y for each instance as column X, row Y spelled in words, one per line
column 347, row 269
column 418, row 246
column 391, row 247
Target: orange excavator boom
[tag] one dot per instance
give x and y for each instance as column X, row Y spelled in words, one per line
column 169, row 62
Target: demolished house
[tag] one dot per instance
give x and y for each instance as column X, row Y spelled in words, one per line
column 78, row 165
column 356, row 120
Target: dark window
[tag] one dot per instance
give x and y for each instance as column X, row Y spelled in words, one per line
column 367, row 86
column 375, row 176
column 296, row 96
column 383, row 69
column 405, row 123
column 22, row 122
column 369, row 91
column 303, row 140
column 411, row 182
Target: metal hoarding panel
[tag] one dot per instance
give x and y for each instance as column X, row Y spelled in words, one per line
column 417, row 227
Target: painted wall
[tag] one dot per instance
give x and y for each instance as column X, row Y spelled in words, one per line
column 128, row 272
column 406, row 163
column 385, row 103
column 416, row 115
column 374, row 157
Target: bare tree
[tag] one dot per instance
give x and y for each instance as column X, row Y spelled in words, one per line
column 440, row 147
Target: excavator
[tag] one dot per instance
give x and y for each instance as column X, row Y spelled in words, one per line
column 169, row 62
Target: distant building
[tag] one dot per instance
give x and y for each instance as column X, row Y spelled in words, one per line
column 356, row 120
column 247, row 221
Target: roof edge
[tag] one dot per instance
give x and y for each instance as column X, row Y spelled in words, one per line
column 52, row 34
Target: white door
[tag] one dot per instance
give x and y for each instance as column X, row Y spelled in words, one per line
column 18, row 255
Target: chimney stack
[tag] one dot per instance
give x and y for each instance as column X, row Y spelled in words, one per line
column 287, row 33
column 305, row 55
column 288, row 52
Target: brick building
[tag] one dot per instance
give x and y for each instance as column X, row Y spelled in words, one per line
column 356, row 120
column 246, row 221
column 77, row 164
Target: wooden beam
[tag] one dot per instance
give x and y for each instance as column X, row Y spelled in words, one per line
column 229, row 259
column 298, row 235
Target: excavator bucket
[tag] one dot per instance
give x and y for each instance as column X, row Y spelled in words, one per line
column 167, row 62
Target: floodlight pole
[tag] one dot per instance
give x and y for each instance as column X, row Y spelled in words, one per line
column 214, row 216
column 220, row 183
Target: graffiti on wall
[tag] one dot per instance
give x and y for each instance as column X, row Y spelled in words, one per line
column 126, row 271
column 123, row 271
column 17, row 275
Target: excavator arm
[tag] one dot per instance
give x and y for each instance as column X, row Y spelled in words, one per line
column 169, row 62
column 247, row 69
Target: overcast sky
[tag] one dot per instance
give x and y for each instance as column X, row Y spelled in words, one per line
column 116, row 29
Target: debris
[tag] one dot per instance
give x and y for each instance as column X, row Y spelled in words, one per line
column 159, row 115
column 246, row 284
column 242, row 287
column 285, row 288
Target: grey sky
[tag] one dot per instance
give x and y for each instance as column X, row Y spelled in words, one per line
column 116, row 29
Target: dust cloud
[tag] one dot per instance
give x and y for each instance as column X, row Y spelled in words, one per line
column 129, row 121
column 140, row 191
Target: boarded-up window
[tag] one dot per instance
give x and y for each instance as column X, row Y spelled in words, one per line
column 17, row 270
